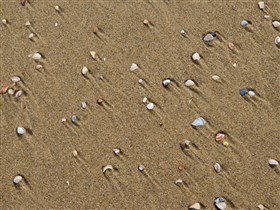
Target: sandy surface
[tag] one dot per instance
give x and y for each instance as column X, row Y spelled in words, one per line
column 55, row 179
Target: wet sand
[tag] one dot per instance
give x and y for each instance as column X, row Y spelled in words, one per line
column 55, row 179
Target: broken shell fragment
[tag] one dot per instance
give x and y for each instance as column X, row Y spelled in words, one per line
column 251, row 93
column 195, row 206
column 208, row 38
column 37, row 56
column 133, row 67
column 39, row 67
column 150, row 106
column 189, row 83
column 198, row 122
column 225, row 143
column 196, row 57
column 107, row 168
column 84, row 105
column 11, row 91
column 217, row 167
column 93, row 54
column 261, row 207
column 145, row 99
column 75, row 153
column 27, row 23
column 220, row 203
column 17, row 179
column 18, row 93
column 230, row 45
column 146, row 22
column 141, row 168
column 273, row 162
column 15, row 79
column 117, row 151
column 4, row 89
column 99, row 101
column 4, row 21
column 219, row 136
column 276, row 24
column 261, row 4
column 179, row 182
column 277, row 40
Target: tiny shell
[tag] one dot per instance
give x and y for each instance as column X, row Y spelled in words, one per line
column 183, row 32
column 27, row 23
column 84, row 70
column 93, row 54
column 37, row 56
column 100, row 101
column 84, row 105
column 4, row 21
column 146, row 22
column 185, row 144
column 11, row 91
column 133, row 67
column 261, row 4
column 276, row 24
column 74, row 119
column 4, row 88
column 244, row 23
column 108, row 167
column 196, row 57
column 15, row 79
column 145, row 100
column 31, row 36
column 141, row 168
column 39, row 67
column 195, row 206
column 215, row 77
column 277, row 40
column 219, row 136
column 230, row 45
column 261, row 207
column 189, row 83
column 20, row 130
column 179, row 182
column 166, row 82
column 57, row 8
column 251, row 93
column 17, row 179
column 220, row 203
column 273, row 162
column 150, row 106
column 140, row 81
column 217, row 167
column 18, row 93
column 198, row 122
column 208, row 38
column 225, row 143
column 116, row 151
column 75, row 153
column 63, row 120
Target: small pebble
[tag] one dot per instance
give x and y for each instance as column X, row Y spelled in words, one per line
column 15, row 79
column 217, row 167
column 219, row 136
column 17, row 179
column 150, row 106
column 243, row 92
column 234, row 65
column 37, row 56
column 179, row 182
column 277, row 40
column 95, row 29
column 195, row 206
column 84, row 70
column 261, row 207
column 140, row 81
column 208, row 38
column 141, row 168
column 84, row 105
column 74, row 119
column 215, row 77
column 11, row 91
column 27, row 23
column 276, row 24
column 198, row 122
column 261, row 4
column 220, row 203
column 93, row 54
column 166, row 82
column 251, row 93
column 39, row 67
column 117, row 151
column 244, row 23
column 189, row 83
column 145, row 100
column 107, row 168
column 57, row 8
column 266, row 16
column 133, row 67
column 196, row 57
column 75, row 153
column 21, row 130
column 273, row 162
column 4, row 21
column 183, row 32
column 225, row 143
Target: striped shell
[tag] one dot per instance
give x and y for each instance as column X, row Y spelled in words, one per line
column 219, row 136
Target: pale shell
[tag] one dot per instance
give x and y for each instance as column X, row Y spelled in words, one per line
column 75, row 153
column 141, row 168
column 179, row 182
column 273, row 162
column 11, row 91
column 21, row 130
column 84, row 70
column 18, row 93
column 189, row 83
column 196, row 57
column 106, row 168
column 150, row 106
column 116, row 151
column 195, row 206
column 17, row 179
column 215, row 77
column 217, row 167
column 261, row 207
column 261, row 4
column 251, row 93
column 133, row 67
column 84, row 105
column 145, row 100
column 166, row 82
column 37, row 56
column 277, row 40
column 220, row 203
column 208, row 38
column 219, row 136
column 93, row 54
column 276, row 24
column 15, row 79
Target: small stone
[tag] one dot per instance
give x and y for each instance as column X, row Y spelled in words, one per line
column 141, row 168
column 234, row 65
column 196, row 57
column 215, row 77
column 195, row 206
column 17, row 179
column 145, row 100
column 18, row 93
column 219, row 136
column 277, row 40
column 146, row 22
column 4, row 21
column 11, row 91
column 166, row 82
column 243, row 92
column 273, row 162
column 15, row 79
column 208, row 38
column 225, row 143
column 116, row 151
column 198, row 122
column 39, row 67
column 74, row 119
column 21, row 130
column 179, row 182
column 220, row 203
column 251, row 93
column 99, row 101
column 55, row 24
column 140, row 81
column 150, row 106
column 261, row 207
column 189, row 83
column 75, row 153
column 261, row 4
column 4, row 88
column 37, row 56
column 217, row 167
column 31, row 36
column 244, row 23
column 84, row 105
column 93, row 54
column 27, row 23
column 84, row 70
column 276, row 24
column 133, row 67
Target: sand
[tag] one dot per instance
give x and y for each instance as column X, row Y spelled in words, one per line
column 55, row 179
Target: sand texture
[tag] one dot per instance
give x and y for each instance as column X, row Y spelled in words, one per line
column 54, row 178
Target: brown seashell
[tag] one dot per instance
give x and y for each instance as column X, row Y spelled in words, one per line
column 4, row 89
column 219, row 136
column 181, row 168
column 230, row 45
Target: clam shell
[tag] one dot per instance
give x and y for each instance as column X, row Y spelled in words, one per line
column 179, row 182
column 133, row 67
column 18, row 93
column 21, row 130
column 150, row 106
column 277, row 40
column 141, row 168
column 17, row 179
column 220, row 203
column 196, row 57
column 198, row 122
column 195, row 206
column 273, row 162
column 251, row 93
column 219, row 136
column 4, row 89
column 208, row 38
column 166, row 82
column 84, row 70
column 261, row 4
column 189, row 83
column 15, row 79
column 106, row 168
column 37, row 56
column 276, row 24
column 215, row 77
column 217, row 167
column 244, row 23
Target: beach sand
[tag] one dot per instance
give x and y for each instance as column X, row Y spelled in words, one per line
column 55, row 179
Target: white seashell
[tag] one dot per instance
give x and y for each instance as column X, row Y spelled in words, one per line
column 116, row 151
column 266, row 16
column 166, row 82
column 183, row 32
column 74, row 119
column 277, row 40
column 145, row 100
column 150, row 106
column 198, row 122
column 195, row 206
column 84, row 70
column 93, row 54
column 63, row 120
column 244, row 23
column 11, row 91
column 220, row 203
column 37, row 56
column 261, row 4
column 276, row 24
column 18, row 93
column 261, row 207
column 273, row 162
column 189, row 83
column 133, row 67
column 140, row 81
column 4, row 21
column 217, row 167
column 141, row 168
column 21, row 130
column 15, row 79
column 31, row 36
column 251, row 93
column 208, row 38
column 57, row 8
column 215, row 77
column 56, row 24
column 196, row 57
column 75, row 153
column 39, row 67
column 234, row 65
column 106, row 168
column 84, row 105
column 27, row 23
column 17, row 179
column 179, row 182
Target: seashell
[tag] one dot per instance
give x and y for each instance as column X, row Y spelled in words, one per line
column 243, row 92
column 276, row 24
column 74, row 119
column 37, row 56
column 27, row 23
column 266, row 16
column 217, row 167
column 133, row 67
column 57, row 8
column 117, row 151
column 146, row 22
column 273, row 162
column 230, row 45
column 183, row 32
column 196, row 57
column 31, row 36
column 219, row 136
column 140, row 81
column 18, row 93
column 4, row 21
column 261, row 207
column 251, row 93
column 84, row 105
column 11, row 91
column 99, row 101
column 198, row 122
column 195, row 206
column 185, row 144
column 39, row 67
column 15, row 79
column 93, row 54
column 141, row 168
column 17, row 179
column 4, row 89
column 244, row 23
column 145, row 100
column 220, row 203
column 84, row 70
column 106, row 168
column 63, row 120
column 179, row 182
column 215, row 77
column 189, row 83
column 21, row 130
column 234, row 65
column 225, row 143
column 277, row 40
column 208, row 38
column 75, row 153
column 261, row 4
column 150, row 106
column 166, row 82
